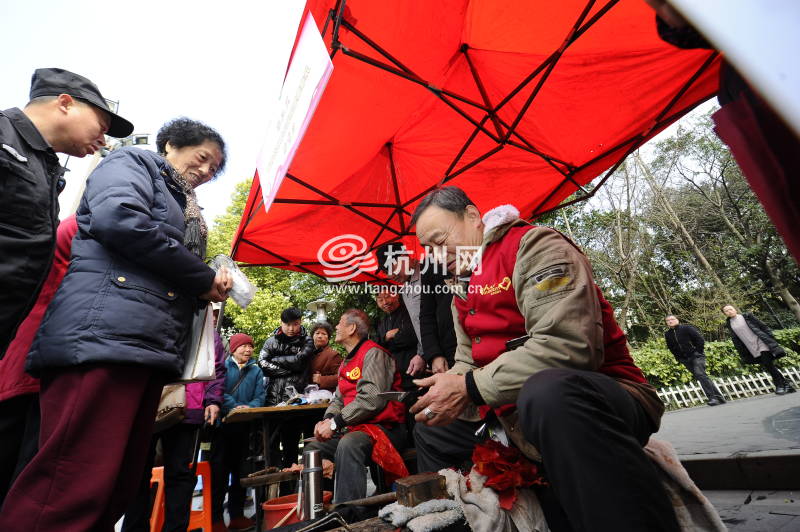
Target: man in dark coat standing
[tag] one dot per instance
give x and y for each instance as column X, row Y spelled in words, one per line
column 687, row 344
column 396, row 332
column 285, row 359
column 66, row 114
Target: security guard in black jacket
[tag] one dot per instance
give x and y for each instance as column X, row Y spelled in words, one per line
column 66, row 114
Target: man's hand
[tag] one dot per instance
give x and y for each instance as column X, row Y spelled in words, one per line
column 445, row 400
column 322, row 430
column 327, row 468
column 223, row 282
column 315, row 378
column 439, row 365
column 415, row 365
column 240, row 407
column 391, row 334
column 211, row 414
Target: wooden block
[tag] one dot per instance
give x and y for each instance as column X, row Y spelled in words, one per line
column 420, row 488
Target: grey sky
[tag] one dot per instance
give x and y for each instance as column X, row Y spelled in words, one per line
column 221, row 63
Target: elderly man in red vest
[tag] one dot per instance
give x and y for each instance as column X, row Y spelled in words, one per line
column 359, row 424
column 541, row 358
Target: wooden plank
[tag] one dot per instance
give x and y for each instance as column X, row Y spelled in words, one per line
column 246, row 414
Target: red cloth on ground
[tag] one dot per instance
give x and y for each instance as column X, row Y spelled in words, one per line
column 13, row 379
column 383, row 453
column 97, row 422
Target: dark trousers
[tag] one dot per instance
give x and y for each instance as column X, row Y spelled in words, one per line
column 288, row 437
column 768, row 363
column 351, row 453
column 229, row 449
column 19, row 437
column 97, row 421
column 590, row 432
column 696, row 364
column 177, row 443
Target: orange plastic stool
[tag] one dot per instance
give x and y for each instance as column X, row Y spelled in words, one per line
column 157, row 513
column 198, row 518
column 202, row 518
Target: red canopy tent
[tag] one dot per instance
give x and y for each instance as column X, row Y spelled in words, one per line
column 515, row 102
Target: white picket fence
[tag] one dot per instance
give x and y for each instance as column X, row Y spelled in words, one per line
column 691, row 394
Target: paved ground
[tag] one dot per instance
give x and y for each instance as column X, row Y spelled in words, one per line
column 757, row 426
column 764, row 423
column 758, row 511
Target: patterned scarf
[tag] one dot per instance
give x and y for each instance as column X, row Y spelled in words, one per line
column 196, row 233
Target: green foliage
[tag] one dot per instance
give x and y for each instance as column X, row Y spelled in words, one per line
column 277, row 289
column 722, row 360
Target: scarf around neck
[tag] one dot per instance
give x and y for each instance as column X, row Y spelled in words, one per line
column 196, row 234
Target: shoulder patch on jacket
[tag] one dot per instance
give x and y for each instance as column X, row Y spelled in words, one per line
column 551, row 277
column 15, row 154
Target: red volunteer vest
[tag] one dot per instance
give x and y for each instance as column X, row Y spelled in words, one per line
column 350, row 373
column 491, row 317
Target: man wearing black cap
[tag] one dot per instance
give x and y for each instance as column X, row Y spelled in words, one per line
column 66, row 114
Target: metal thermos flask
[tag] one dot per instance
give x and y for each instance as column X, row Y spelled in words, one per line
column 312, row 485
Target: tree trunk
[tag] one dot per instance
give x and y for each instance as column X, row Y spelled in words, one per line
column 783, row 292
column 701, row 258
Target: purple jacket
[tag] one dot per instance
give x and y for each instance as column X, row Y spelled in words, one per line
column 201, row 394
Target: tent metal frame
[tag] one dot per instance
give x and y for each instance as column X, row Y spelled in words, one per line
column 491, row 125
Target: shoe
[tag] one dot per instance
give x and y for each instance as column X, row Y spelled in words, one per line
column 781, row 390
column 219, row 526
column 714, row 401
column 241, row 523
column 790, row 388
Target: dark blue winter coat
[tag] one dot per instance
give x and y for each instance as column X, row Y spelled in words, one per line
column 131, row 287
column 251, row 391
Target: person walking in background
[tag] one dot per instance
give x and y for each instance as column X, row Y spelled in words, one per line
column 687, row 346
column 244, row 388
column 756, row 345
column 116, row 330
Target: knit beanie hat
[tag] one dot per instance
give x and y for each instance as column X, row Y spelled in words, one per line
column 240, row 339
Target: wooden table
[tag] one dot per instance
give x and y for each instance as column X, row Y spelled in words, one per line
column 268, row 415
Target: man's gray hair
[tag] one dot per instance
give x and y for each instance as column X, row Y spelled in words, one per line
column 450, row 198
column 359, row 318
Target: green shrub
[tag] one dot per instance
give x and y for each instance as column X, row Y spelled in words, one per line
column 722, row 360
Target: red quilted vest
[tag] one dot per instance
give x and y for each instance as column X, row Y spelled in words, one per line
column 491, row 317
column 350, row 373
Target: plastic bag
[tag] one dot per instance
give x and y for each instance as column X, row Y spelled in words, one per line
column 319, row 396
column 243, row 290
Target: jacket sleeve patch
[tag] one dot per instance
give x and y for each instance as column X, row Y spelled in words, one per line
column 551, row 278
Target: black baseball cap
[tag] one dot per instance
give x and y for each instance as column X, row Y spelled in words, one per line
column 55, row 81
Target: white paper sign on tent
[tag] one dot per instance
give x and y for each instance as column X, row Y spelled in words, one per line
column 309, row 72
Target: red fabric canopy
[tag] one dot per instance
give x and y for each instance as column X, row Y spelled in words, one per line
column 515, row 102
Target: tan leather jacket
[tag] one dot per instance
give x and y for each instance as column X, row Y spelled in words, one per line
column 564, row 324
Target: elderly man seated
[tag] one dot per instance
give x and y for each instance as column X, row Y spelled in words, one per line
column 539, row 351
column 358, row 419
